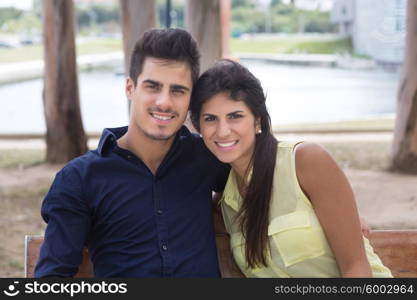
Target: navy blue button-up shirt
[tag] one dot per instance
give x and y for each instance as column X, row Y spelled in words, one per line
column 134, row 223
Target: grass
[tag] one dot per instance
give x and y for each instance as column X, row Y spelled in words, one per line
column 354, row 125
column 35, row 52
column 290, row 45
column 360, row 155
column 322, row 47
column 11, row 158
column 255, row 45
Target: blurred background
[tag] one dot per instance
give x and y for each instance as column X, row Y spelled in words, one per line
column 317, row 61
column 330, row 70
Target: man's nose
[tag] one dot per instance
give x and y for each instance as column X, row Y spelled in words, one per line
column 163, row 100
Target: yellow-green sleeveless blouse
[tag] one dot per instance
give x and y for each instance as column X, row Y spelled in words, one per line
column 298, row 245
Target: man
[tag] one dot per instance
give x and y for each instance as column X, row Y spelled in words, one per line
column 141, row 202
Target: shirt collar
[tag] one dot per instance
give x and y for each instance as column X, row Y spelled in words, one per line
column 231, row 195
column 111, row 135
column 108, row 138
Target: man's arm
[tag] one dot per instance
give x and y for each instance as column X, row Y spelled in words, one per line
column 68, row 218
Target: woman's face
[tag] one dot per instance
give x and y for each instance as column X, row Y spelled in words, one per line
column 228, row 128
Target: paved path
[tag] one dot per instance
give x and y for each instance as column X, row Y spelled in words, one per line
column 12, row 72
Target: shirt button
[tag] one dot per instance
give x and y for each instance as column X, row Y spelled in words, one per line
column 129, row 157
column 164, row 247
column 159, row 212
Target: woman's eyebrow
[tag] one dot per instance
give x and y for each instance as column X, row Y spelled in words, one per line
column 235, row 112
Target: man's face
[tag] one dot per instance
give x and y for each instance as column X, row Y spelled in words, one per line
column 161, row 97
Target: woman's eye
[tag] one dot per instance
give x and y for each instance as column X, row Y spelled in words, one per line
column 209, row 118
column 236, row 116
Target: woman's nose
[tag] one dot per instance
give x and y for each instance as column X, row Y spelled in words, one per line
column 223, row 129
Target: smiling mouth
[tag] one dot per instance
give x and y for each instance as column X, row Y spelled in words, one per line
column 226, row 145
column 162, row 117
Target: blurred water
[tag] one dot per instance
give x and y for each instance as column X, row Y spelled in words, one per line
column 299, row 94
column 294, row 95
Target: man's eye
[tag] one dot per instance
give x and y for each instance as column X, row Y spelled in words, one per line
column 151, row 86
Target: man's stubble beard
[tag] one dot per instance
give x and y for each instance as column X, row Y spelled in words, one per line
column 156, row 137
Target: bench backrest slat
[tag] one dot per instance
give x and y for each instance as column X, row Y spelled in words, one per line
column 32, row 248
column 396, row 248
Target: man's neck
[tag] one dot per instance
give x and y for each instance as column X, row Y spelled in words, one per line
column 151, row 152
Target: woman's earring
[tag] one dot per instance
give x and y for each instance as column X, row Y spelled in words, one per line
column 259, row 131
column 201, row 135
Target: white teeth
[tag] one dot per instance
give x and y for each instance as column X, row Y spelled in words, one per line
column 226, row 144
column 162, row 118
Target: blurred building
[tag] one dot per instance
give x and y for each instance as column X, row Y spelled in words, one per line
column 377, row 27
column 321, row 5
column 95, row 2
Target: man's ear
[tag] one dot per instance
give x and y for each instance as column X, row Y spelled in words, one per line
column 130, row 88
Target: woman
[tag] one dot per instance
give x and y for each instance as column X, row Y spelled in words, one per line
column 288, row 207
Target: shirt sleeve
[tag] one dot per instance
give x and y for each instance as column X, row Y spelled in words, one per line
column 221, row 177
column 68, row 218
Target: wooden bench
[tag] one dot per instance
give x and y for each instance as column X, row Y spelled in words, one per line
column 396, row 248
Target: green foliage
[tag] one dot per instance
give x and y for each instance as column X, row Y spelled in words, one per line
column 242, row 3
column 240, row 23
column 9, row 13
column 284, row 23
column 275, row 2
column 247, row 18
column 282, row 9
column 177, row 13
column 27, row 23
column 96, row 14
column 317, row 21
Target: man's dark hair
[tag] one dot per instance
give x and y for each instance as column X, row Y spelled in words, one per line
column 171, row 44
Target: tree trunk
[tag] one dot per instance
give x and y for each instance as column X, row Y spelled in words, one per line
column 204, row 23
column 65, row 136
column 404, row 150
column 225, row 14
column 137, row 17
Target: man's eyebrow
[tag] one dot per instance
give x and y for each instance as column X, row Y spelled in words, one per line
column 153, row 82
column 179, row 87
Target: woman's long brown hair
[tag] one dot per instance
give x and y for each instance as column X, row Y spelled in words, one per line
column 240, row 84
